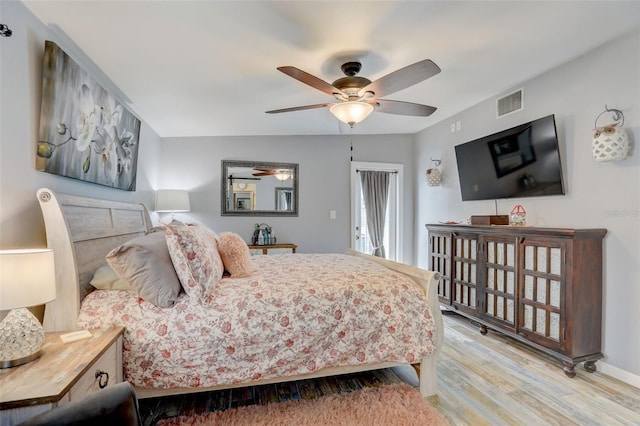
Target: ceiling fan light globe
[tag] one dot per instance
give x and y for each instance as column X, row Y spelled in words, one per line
column 351, row 112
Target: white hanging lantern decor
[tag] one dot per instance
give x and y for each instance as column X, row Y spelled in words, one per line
column 610, row 142
column 434, row 177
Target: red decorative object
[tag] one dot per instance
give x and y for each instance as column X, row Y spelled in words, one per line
column 518, row 216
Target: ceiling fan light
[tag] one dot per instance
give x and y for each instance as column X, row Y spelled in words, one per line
column 351, row 112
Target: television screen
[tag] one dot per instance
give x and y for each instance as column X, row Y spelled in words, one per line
column 523, row 161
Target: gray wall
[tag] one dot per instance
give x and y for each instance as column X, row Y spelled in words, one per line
column 21, row 55
column 599, row 194
column 195, row 164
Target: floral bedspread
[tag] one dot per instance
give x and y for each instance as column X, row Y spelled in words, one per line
column 297, row 313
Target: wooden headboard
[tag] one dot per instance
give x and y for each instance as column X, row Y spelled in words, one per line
column 81, row 231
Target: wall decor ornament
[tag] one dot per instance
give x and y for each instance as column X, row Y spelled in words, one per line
column 434, row 176
column 610, row 142
column 84, row 132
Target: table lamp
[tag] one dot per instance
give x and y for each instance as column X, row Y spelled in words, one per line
column 172, row 200
column 27, row 278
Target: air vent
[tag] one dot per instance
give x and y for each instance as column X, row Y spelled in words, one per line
column 510, row 103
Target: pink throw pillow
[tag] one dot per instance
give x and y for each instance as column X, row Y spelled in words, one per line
column 235, row 255
column 195, row 257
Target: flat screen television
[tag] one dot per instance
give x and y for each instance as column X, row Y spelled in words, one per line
column 523, row 161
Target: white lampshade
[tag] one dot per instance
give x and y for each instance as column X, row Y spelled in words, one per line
column 351, row 112
column 27, row 278
column 172, row 200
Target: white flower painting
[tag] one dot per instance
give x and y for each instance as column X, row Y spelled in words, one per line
column 84, row 132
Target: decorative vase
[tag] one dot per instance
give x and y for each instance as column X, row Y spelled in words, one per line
column 518, row 216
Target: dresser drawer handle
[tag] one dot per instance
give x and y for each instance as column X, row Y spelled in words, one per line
column 103, row 379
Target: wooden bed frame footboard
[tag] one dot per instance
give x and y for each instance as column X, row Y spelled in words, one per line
column 428, row 280
column 81, row 231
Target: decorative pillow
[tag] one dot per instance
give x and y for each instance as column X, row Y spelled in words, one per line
column 194, row 252
column 105, row 278
column 235, row 255
column 145, row 263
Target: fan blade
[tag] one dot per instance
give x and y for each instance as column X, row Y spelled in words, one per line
column 263, row 174
column 401, row 79
column 300, row 108
column 403, row 108
column 312, row 81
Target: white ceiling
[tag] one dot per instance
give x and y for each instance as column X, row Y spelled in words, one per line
column 208, row 68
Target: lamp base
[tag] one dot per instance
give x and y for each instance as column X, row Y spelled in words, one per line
column 19, row 361
column 21, row 337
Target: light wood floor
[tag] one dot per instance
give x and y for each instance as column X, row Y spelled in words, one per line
column 494, row 380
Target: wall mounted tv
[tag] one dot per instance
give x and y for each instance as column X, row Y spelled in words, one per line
column 523, row 161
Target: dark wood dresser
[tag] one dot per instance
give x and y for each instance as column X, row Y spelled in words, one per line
column 541, row 286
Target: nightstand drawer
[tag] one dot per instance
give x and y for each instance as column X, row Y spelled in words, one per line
column 102, row 373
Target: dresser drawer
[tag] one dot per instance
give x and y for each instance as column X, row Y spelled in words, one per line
column 107, row 370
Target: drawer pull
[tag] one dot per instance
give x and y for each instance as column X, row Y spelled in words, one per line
column 103, row 379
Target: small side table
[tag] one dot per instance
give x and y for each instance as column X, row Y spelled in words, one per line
column 273, row 249
column 64, row 372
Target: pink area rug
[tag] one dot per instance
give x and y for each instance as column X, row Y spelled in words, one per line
column 397, row 404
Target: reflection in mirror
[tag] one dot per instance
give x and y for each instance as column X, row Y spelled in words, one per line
column 248, row 188
column 284, row 199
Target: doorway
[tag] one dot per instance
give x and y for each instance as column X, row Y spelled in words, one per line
column 361, row 236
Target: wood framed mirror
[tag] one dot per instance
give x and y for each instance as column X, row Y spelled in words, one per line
column 259, row 188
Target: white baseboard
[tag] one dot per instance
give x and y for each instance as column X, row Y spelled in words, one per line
column 617, row 373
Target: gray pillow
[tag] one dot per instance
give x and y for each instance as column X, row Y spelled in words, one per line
column 145, row 263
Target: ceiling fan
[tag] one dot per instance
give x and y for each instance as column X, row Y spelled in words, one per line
column 264, row 171
column 267, row 171
column 358, row 96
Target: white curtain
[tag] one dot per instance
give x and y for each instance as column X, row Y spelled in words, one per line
column 375, row 193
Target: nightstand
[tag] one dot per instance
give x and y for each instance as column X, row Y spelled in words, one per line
column 64, row 372
column 273, row 249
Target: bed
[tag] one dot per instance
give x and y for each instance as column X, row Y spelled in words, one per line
column 278, row 324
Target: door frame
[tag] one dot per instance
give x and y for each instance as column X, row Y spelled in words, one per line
column 387, row 167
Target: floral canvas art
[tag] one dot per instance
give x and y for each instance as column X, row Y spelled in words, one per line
column 85, row 133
